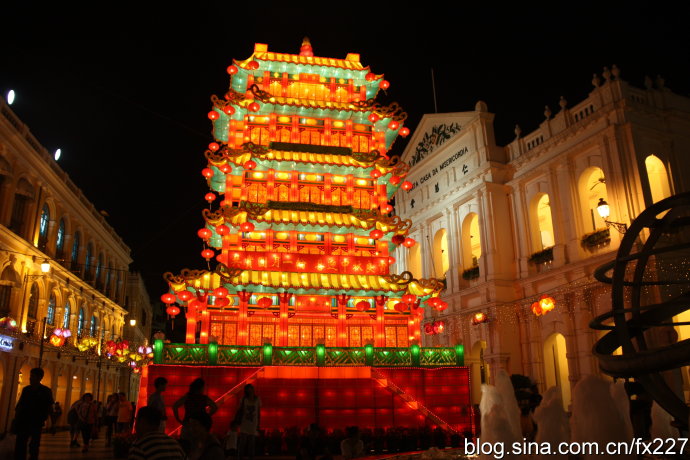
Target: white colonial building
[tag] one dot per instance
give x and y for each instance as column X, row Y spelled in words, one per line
column 507, row 224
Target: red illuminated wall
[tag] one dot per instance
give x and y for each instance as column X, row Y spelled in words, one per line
column 332, row 397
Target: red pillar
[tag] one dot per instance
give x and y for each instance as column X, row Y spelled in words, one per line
column 341, row 327
column 379, row 329
column 242, row 323
column 282, row 333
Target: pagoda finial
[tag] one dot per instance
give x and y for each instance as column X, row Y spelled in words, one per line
column 305, row 49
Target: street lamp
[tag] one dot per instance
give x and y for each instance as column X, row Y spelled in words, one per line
column 132, row 322
column 604, row 212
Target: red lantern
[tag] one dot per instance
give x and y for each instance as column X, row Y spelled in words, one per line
column 362, row 305
column 213, row 146
column 222, row 229
column 398, row 239
column 409, row 298
column 442, row 305
column 207, row 254
column 385, row 84
column 433, row 301
column 409, row 242
column 376, row 234
column 213, row 115
column 370, row 77
column 168, row 298
column 229, row 110
column 254, row 107
column 232, row 70
column 247, row 227
column 439, row 326
column 373, row 118
column 222, row 302
column 204, row 233
column 220, row 292
column 393, row 125
column 265, row 302
column 207, row 173
column 395, row 180
column 173, row 311
column 479, row 318
column 184, row 295
column 544, row 305
column 407, row 185
column 386, row 208
column 226, row 168
column 253, row 65
column 391, row 260
column 428, row 329
column 401, row 307
column 250, row 164
column 210, row 197
column 404, row 132
column 375, row 173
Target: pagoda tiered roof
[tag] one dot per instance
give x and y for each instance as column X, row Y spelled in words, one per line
column 351, row 61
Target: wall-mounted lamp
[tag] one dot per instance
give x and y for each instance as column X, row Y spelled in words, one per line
column 604, row 212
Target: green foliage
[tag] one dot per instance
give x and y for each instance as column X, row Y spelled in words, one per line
column 471, row 273
column 596, row 239
column 542, row 257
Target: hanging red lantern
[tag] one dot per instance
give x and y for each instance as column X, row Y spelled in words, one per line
column 375, row 173
column 439, row 327
column 249, row 164
column 213, row 146
column 404, row 131
column 391, row 260
column 184, row 295
column 370, row 76
column 204, row 233
column 401, row 307
column 407, row 186
column 253, row 65
column 220, row 292
column 433, row 301
column 409, row 298
column 213, row 115
column 207, row 254
column 222, row 302
column 442, row 305
column 386, row 208
column 168, row 298
column 373, row 118
column 254, row 107
column 398, row 240
column 210, row 197
column 173, row 311
column 376, row 234
column 207, row 173
column 393, row 125
column 229, row 110
column 409, row 242
column 362, row 305
column 222, row 229
column 247, row 227
column 232, row 70
column 428, row 329
column 226, row 168
column 479, row 318
column 265, row 302
column 385, row 84
column 395, row 180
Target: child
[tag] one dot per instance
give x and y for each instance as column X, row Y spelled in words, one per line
column 231, row 440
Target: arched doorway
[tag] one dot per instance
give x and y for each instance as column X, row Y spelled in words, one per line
column 592, row 188
column 479, row 370
column 414, row 261
column 556, row 366
column 471, row 241
column 659, row 185
column 440, row 253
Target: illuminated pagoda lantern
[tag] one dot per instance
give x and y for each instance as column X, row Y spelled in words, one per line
column 298, row 238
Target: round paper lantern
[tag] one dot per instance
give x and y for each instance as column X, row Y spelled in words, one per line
column 393, row 125
column 213, row 146
column 222, row 302
column 207, row 254
column 442, row 305
column 229, row 110
column 370, row 77
column 226, row 168
column 204, row 233
column 253, row 65
column 409, row 298
column 254, row 107
column 479, row 318
column 398, row 240
column 173, row 311
column 376, row 234
column 391, row 260
column 168, row 298
column 184, row 295
column 265, row 302
column 401, row 307
column 395, row 180
column 385, row 84
column 433, row 301
column 362, row 305
column 220, row 292
column 210, row 197
column 407, row 185
column 373, row 118
column 375, row 173
column 213, row 115
column 428, row 329
column 222, row 229
column 439, row 326
column 232, row 70
column 409, row 242
column 207, row 173
column 386, row 208
column 250, row 164
column 404, row 132
column 247, row 227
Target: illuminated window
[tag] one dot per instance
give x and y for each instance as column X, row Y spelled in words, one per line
column 66, row 317
column 414, row 260
column 50, row 316
column 43, row 227
column 440, row 253
column 75, row 248
column 542, row 223
column 33, row 302
column 94, row 326
column 60, row 239
column 659, row 185
column 80, row 321
column 592, row 187
column 471, row 241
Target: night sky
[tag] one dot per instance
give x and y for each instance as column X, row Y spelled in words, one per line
column 124, row 90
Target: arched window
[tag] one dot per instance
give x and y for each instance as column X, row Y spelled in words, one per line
column 94, row 326
column 542, row 222
column 66, row 317
column 75, row 248
column 108, row 273
column 99, row 269
column 659, row 185
column 60, row 239
column 20, row 208
column 43, row 227
column 33, row 302
column 471, row 241
column 50, row 317
column 592, row 187
column 89, row 260
column 440, row 253
column 80, row 321
column 414, row 261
